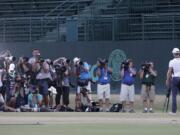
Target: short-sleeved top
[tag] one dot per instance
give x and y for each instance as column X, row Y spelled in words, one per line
column 104, row 77
column 85, row 75
column 1, row 72
column 32, row 60
column 148, row 78
column 1, row 99
column 175, row 64
column 33, row 101
column 128, row 78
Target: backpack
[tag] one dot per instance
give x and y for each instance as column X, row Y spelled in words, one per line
column 116, row 107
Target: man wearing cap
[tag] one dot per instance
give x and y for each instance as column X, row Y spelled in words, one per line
column 103, row 86
column 128, row 74
column 173, row 77
column 81, row 71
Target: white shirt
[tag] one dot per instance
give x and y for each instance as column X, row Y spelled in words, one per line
column 42, row 74
column 1, row 72
column 175, row 64
column 32, row 60
column 1, row 99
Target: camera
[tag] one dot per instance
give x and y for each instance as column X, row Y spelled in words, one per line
column 84, row 91
column 145, row 66
column 10, row 58
column 60, row 69
column 102, row 62
column 125, row 64
column 81, row 63
column 40, row 60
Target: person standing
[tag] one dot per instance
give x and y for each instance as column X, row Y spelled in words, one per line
column 148, row 76
column 81, row 71
column 103, row 86
column 127, row 73
column 173, row 77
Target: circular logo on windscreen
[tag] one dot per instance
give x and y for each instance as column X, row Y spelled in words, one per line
column 115, row 60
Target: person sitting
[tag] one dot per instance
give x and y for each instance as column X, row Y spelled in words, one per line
column 4, row 107
column 35, row 99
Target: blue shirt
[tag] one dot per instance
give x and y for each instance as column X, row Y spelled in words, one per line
column 85, row 75
column 33, row 102
column 104, row 77
column 128, row 78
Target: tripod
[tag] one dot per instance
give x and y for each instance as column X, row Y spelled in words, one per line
column 166, row 102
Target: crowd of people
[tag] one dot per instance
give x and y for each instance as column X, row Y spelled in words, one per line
column 32, row 84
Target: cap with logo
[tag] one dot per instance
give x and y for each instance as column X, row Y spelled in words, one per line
column 175, row 51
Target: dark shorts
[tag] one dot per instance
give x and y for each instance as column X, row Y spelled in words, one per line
column 43, row 87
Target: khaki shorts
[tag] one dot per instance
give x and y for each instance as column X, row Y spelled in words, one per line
column 103, row 91
column 127, row 93
column 147, row 92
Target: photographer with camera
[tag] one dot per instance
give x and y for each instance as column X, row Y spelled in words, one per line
column 36, row 63
column 128, row 74
column 9, row 78
column 81, row 71
column 62, row 79
column 24, row 68
column 173, row 78
column 148, row 75
column 103, row 87
column 43, row 78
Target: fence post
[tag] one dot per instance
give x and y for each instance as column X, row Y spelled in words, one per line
column 173, row 28
column 4, row 30
column 58, row 34
column 113, row 29
column 142, row 27
column 41, row 27
column 30, row 29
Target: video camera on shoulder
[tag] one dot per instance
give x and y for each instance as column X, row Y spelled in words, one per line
column 145, row 66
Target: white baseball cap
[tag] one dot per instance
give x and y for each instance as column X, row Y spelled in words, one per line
column 75, row 60
column 175, row 50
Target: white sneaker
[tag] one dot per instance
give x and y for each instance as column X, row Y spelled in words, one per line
column 18, row 110
column 151, row 110
column 172, row 113
column 107, row 110
column 101, row 110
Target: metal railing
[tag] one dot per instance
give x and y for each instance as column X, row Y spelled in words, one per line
column 96, row 28
column 128, row 27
